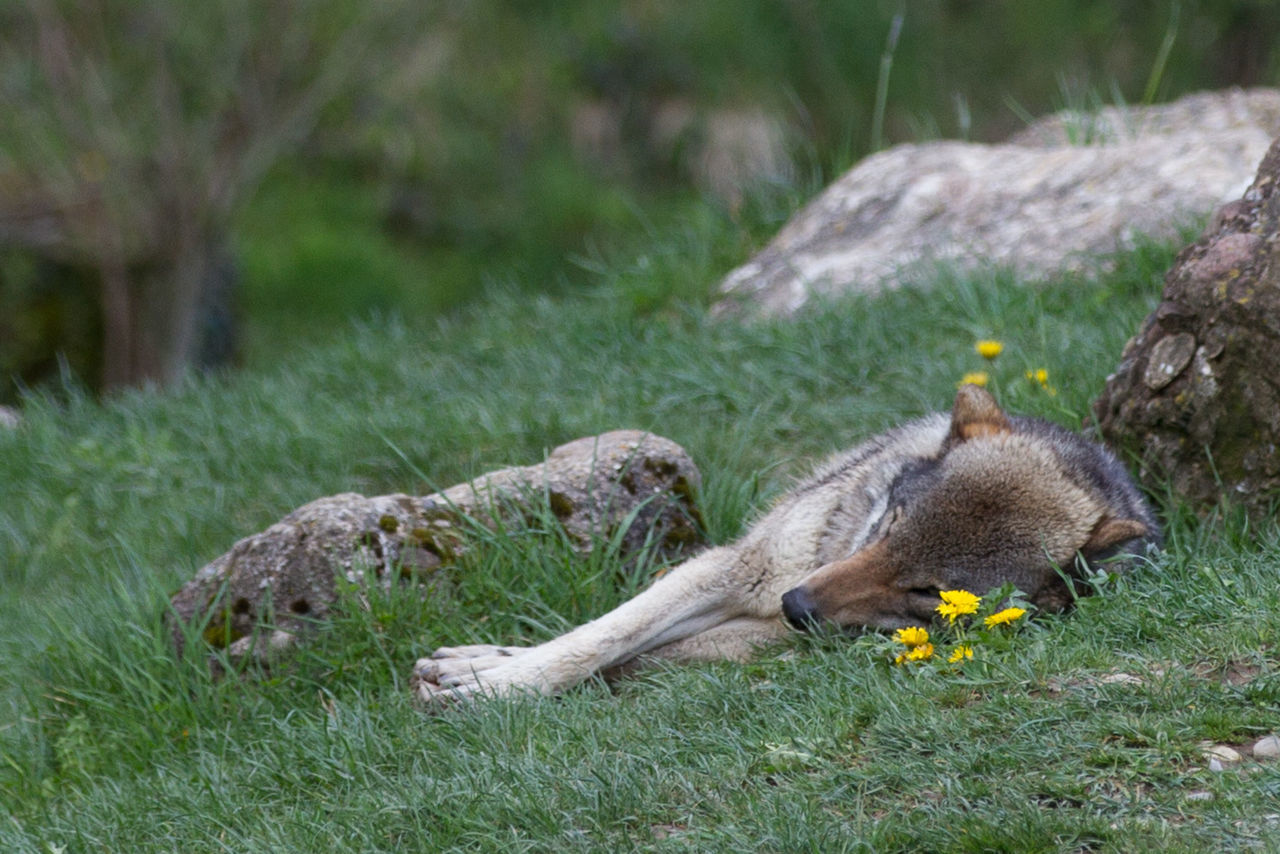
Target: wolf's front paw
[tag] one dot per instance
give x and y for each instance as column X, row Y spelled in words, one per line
column 462, row 672
column 448, row 663
column 449, row 672
column 488, row 678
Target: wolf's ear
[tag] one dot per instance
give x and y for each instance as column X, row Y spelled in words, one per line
column 1111, row 531
column 975, row 414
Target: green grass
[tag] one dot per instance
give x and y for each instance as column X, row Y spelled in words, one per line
column 110, row 743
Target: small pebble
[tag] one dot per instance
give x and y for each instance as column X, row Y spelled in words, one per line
column 1221, row 752
column 1200, row 795
column 1267, row 747
column 1121, row 679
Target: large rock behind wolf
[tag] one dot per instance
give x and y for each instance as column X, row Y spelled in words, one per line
column 626, row 486
column 1062, row 192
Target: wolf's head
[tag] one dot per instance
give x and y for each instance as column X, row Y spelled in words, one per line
column 1006, row 499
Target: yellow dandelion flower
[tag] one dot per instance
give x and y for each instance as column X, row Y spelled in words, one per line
column 989, row 349
column 912, row 636
column 1001, row 618
column 961, row 597
column 1041, row 376
column 956, row 603
column 960, row 653
column 920, row 653
column 974, row 378
column 923, row 652
column 950, row 612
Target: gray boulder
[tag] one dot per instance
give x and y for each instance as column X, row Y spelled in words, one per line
column 1053, row 198
column 262, row 595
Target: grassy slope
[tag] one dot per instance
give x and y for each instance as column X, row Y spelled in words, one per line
column 107, row 743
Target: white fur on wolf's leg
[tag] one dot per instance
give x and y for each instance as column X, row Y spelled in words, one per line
column 738, row 639
column 689, row 600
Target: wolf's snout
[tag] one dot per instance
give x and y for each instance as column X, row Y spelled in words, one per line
column 799, row 607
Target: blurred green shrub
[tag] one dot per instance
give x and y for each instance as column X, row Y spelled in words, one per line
column 46, row 323
column 499, row 84
column 133, row 131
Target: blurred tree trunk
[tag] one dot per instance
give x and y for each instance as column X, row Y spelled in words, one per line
column 1197, row 394
column 133, row 131
column 154, row 314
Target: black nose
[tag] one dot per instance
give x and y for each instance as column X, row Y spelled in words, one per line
column 799, row 608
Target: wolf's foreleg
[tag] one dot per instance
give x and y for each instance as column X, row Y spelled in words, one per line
column 695, row 596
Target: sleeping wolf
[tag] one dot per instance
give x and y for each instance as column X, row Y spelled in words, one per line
column 967, row 501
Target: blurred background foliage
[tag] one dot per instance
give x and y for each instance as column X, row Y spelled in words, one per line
column 331, row 159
